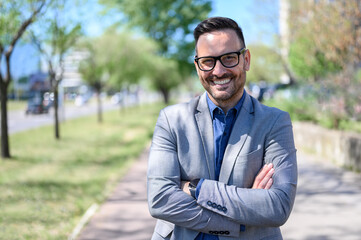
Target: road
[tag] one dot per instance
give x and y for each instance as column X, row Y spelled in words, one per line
column 19, row 121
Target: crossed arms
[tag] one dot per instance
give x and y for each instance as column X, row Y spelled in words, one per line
column 263, row 179
column 267, row 203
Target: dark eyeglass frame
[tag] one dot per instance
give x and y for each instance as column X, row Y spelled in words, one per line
column 196, row 59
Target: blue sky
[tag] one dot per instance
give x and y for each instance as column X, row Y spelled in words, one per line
column 249, row 14
column 257, row 18
column 252, row 15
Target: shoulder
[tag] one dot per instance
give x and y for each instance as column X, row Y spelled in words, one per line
column 270, row 113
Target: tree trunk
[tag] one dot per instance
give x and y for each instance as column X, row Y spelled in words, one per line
column 165, row 94
column 56, row 112
column 5, row 148
column 100, row 112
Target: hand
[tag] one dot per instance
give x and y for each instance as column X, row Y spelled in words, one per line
column 264, row 177
column 185, row 187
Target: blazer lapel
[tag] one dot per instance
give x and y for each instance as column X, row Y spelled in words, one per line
column 237, row 139
column 205, row 126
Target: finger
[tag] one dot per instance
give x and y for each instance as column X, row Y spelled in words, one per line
column 269, row 184
column 260, row 176
column 266, row 178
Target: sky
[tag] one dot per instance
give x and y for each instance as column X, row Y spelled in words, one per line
column 257, row 18
column 249, row 14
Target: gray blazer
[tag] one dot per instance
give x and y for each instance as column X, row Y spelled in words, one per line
column 182, row 149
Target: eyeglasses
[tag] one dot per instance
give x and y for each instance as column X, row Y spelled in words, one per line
column 228, row 60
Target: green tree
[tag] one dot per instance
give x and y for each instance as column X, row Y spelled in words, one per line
column 164, row 76
column 15, row 18
column 266, row 64
column 117, row 60
column 129, row 63
column 325, row 49
column 170, row 23
column 308, row 62
column 325, row 37
column 55, row 40
column 93, row 73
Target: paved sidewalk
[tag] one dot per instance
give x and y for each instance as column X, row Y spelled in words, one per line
column 125, row 215
column 327, row 207
column 328, row 203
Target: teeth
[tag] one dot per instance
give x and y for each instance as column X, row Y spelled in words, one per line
column 222, row 81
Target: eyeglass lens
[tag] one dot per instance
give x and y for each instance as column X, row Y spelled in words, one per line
column 227, row 60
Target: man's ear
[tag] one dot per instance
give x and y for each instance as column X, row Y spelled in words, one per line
column 247, row 60
column 196, row 66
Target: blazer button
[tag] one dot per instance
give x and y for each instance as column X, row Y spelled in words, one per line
column 209, row 203
column 214, row 205
column 224, row 209
column 219, row 207
column 243, row 228
column 226, row 232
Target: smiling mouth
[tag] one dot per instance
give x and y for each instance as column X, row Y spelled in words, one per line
column 221, row 82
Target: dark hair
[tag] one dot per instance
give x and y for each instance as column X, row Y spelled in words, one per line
column 215, row 24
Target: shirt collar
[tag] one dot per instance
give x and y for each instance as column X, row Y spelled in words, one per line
column 213, row 106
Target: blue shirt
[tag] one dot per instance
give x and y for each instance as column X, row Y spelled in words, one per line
column 222, row 127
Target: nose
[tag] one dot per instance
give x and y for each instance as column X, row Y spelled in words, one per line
column 218, row 69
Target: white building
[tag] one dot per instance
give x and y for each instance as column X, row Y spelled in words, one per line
column 72, row 79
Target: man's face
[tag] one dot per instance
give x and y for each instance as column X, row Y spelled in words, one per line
column 224, row 85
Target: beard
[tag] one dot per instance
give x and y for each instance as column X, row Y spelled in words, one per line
column 226, row 93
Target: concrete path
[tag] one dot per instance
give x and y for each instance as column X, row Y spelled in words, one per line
column 124, row 216
column 328, row 203
column 327, row 207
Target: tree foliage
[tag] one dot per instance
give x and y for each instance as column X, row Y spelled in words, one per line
column 169, row 22
column 309, row 62
column 266, row 64
column 326, row 49
column 164, row 76
column 124, row 57
column 326, row 37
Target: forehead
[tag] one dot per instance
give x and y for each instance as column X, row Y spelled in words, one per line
column 217, row 43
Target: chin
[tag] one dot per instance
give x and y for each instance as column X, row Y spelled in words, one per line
column 222, row 97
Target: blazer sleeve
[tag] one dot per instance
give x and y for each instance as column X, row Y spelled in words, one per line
column 259, row 207
column 166, row 200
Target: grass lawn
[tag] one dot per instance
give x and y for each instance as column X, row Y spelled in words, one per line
column 14, row 105
column 48, row 185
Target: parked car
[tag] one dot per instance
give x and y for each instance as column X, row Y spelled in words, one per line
column 39, row 102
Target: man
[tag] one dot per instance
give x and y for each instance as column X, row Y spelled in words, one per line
column 221, row 166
